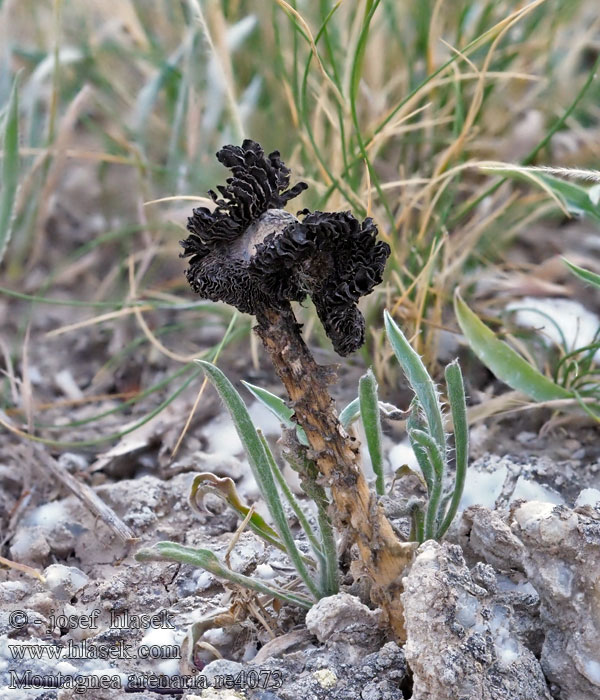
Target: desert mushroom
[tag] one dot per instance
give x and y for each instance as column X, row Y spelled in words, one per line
column 250, row 253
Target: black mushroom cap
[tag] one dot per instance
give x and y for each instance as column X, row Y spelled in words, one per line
column 251, row 254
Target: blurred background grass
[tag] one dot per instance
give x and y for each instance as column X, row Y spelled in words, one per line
column 390, row 109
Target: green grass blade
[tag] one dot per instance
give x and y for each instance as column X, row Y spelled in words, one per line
column 575, row 198
column 117, row 436
column 458, row 409
column 558, row 124
column 336, row 183
column 506, row 364
column 355, row 78
column 418, row 378
column 278, row 408
column 208, row 560
column 369, row 412
column 591, row 413
column 470, row 204
column 259, row 464
column 10, row 168
column 583, row 274
column 548, row 317
column 149, row 93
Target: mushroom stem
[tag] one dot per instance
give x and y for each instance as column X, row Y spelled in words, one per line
column 338, row 459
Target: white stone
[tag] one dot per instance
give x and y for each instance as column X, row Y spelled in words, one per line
column 587, row 497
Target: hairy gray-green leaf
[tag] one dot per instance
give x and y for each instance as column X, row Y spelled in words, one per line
column 259, row 463
column 424, row 441
column 205, row 559
column 583, row 274
column 369, row 413
column 291, row 499
column 278, row 408
column 573, row 197
column 350, row 413
column 458, row 410
column 414, row 423
column 224, row 488
column 502, row 360
column 419, row 379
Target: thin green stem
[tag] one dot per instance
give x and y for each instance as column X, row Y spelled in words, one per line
column 417, row 533
column 119, row 435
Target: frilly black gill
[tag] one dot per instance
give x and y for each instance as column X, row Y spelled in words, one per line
column 251, row 254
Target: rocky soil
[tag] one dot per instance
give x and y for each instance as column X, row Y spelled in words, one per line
column 506, row 607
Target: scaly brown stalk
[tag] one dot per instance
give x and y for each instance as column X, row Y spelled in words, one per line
column 337, row 457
